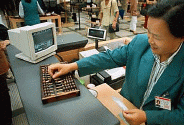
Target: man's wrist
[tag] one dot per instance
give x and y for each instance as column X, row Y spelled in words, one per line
column 73, row 66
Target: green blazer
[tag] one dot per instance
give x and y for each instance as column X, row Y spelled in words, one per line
column 138, row 59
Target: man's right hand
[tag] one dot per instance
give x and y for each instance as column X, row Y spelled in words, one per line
column 58, row 69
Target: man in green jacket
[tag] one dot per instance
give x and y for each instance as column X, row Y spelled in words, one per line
column 154, row 67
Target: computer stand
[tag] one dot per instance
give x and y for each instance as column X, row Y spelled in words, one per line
column 96, row 44
column 101, row 49
column 28, row 59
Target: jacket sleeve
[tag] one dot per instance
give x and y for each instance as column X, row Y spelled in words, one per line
column 166, row 117
column 105, row 60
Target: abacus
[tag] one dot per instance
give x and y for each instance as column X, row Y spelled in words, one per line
column 57, row 89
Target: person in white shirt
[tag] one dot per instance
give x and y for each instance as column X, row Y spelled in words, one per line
column 108, row 9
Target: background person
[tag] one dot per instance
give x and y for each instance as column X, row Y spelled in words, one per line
column 6, row 112
column 4, row 67
column 106, row 18
column 134, row 13
column 148, row 5
column 29, row 10
column 122, row 6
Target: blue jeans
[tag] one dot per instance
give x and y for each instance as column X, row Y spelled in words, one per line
column 121, row 13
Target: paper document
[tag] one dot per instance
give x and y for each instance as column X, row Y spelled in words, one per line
column 120, row 103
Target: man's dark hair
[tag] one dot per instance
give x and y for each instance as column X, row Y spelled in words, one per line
column 171, row 11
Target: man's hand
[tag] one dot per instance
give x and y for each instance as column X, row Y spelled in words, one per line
column 126, row 40
column 3, row 44
column 56, row 70
column 135, row 116
column 114, row 25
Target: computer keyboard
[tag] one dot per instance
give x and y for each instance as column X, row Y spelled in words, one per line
column 57, row 89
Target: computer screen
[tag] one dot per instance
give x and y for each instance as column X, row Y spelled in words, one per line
column 43, row 39
column 36, row 42
column 97, row 33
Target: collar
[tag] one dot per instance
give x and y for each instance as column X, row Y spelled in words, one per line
column 168, row 61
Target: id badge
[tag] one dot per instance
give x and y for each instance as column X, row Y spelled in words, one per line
column 163, row 103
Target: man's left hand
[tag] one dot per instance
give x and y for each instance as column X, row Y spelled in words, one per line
column 135, row 116
column 3, row 44
column 114, row 25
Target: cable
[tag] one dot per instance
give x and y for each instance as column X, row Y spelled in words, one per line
column 60, row 57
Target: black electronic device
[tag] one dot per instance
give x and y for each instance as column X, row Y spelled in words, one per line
column 70, row 41
column 115, row 84
column 104, row 76
column 114, row 77
column 97, row 33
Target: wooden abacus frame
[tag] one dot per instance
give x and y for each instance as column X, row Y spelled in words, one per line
column 56, row 96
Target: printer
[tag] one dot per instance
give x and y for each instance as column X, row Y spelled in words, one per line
column 114, row 77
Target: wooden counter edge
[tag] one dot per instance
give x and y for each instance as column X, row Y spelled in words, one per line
column 105, row 93
column 102, row 43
